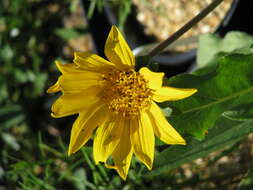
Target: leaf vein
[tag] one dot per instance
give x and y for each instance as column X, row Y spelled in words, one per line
column 219, row 101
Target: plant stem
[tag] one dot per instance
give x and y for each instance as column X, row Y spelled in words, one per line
column 87, row 159
column 185, row 28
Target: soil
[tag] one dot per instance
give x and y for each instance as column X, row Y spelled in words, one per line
column 161, row 18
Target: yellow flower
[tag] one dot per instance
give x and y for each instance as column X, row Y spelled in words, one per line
column 116, row 101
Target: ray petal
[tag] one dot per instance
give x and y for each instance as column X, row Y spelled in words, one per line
column 84, row 126
column 79, row 82
column 143, row 139
column 74, row 79
column 92, row 62
column 163, row 130
column 118, row 51
column 122, row 154
column 69, row 104
column 154, row 79
column 106, row 139
column 56, row 87
column 68, row 68
column 172, row 94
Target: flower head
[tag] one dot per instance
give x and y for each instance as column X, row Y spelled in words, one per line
column 116, row 101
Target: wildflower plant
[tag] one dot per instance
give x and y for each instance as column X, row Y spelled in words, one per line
column 119, row 103
column 216, row 119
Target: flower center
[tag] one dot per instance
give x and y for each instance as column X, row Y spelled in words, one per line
column 126, row 92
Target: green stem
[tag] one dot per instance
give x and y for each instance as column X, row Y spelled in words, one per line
column 185, row 28
column 50, row 149
column 87, row 159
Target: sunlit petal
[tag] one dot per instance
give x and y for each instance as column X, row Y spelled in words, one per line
column 106, row 139
column 172, row 94
column 85, row 124
column 55, row 88
column 122, row 154
column 79, row 82
column 92, row 62
column 68, row 68
column 117, row 50
column 69, row 104
column 143, row 140
column 155, row 80
column 163, row 130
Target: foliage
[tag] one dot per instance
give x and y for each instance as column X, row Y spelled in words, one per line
column 225, row 133
column 228, row 86
column 223, row 102
column 211, row 45
column 33, row 152
column 29, row 43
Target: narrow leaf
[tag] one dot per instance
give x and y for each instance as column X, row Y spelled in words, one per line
column 10, row 115
column 226, row 133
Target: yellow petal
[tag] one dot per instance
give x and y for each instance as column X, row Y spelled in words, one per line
column 74, row 79
column 55, row 88
column 171, row 94
column 163, row 130
column 69, row 104
column 142, row 139
column 122, row 154
column 117, row 50
column 92, row 62
column 67, row 68
column 84, row 126
column 106, row 139
column 155, row 80
column 79, row 82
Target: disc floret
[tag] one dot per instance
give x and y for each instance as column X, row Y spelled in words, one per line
column 126, row 92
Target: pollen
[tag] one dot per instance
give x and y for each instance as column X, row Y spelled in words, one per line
column 126, row 93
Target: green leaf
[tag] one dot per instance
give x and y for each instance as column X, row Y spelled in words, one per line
column 210, row 45
column 225, row 133
column 80, row 179
column 67, row 33
column 20, row 76
column 39, row 84
column 10, row 140
column 74, row 5
column 207, row 48
column 124, row 10
column 11, row 115
column 6, row 53
column 91, row 9
column 240, row 113
column 227, row 87
column 3, row 89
